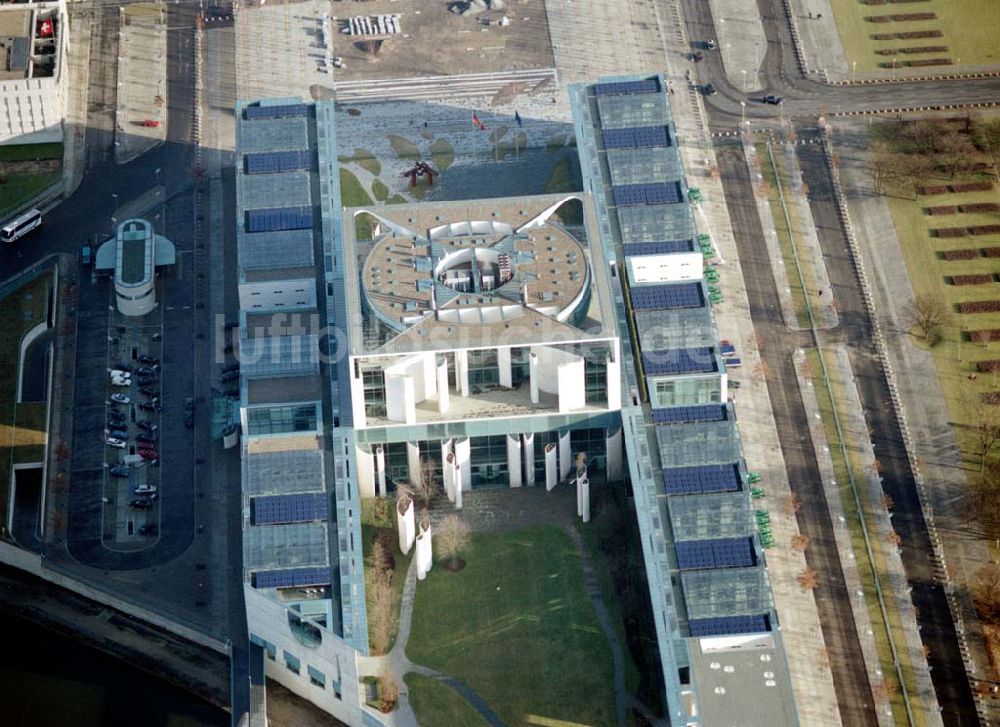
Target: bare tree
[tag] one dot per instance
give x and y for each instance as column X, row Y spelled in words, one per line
column 930, row 314
column 987, row 140
column 880, row 164
column 987, row 423
column 423, row 491
column 808, row 579
column 451, row 537
column 954, row 151
column 986, row 591
column 388, row 691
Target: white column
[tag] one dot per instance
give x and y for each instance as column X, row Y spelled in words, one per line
column 614, row 454
column 456, row 479
column 366, row 470
column 413, row 463
column 551, row 467
column 401, row 401
column 462, row 371
column 565, row 455
column 447, row 468
column 583, row 497
column 405, row 526
column 514, row 459
column 444, row 395
column 533, row 376
column 425, row 551
column 380, row 466
column 503, row 363
column 614, row 382
column 463, row 453
column 528, row 454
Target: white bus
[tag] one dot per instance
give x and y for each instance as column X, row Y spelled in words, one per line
column 21, row 225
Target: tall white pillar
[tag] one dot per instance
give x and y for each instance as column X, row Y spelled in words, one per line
column 462, row 371
column 425, row 551
column 533, row 376
column 447, row 468
column 514, row 459
column 413, row 464
column 366, row 470
column 551, row 467
column 565, row 455
column 583, row 497
column 528, row 454
column 614, row 454
column 503, row 363
column 406, row 526
column 463, row 453
column 456, row 479
column 614, row 382
column 380, row 466
column 444, row 395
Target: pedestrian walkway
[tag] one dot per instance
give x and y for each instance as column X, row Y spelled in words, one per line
column 140, row 115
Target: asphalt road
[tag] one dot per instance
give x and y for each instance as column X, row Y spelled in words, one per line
column 937, row 631
column 777, row 344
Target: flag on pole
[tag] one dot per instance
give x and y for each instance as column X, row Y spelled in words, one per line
column 45, row 29
column 517, row 118
column 475, row 121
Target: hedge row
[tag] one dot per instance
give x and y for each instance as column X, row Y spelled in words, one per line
column 914, row 49
column 979, row 306
column 888, row 2
column 911, row 35
column 990, row 364
column 985, row 335
column 979, row 207
column 921, row 64
column 902, row 18
column 991, row 252
column 991, row 397
column 958, row 187
column 975, row 231
column 946, row 209
column 969, row 253
column 978, row 279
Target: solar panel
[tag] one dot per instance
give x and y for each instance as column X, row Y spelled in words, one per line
column 277, row 161
column 614, row 88
column 727, row 625
column 636, row 137
column 664, row 297
column 291, row 578
column 631, row 195
column 686, row 414
column 279, row 218
column 667, row 247
column 298, row 508
column 701, row 478
column 718, row 553
column 678, row 361
column 275, row 112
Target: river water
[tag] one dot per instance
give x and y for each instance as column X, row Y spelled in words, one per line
column 48, row 680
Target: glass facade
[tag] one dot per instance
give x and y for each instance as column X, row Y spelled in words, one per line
column 489, row 462
column 483, row 369
column 596, row 376
column 687, row 391
column 373, row 382
column 281, row 419
column 594, row 444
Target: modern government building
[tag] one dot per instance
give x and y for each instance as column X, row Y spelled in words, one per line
column 511, row 342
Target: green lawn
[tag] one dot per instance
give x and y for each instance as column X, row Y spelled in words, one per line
column 19, row 188
column 517, row 626
column 436, row 704
column 352, row 194
column 970, row 29
column 19, row 313
column 30, row 152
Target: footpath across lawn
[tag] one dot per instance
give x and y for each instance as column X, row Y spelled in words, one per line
column 516, row 625
column 435, row 703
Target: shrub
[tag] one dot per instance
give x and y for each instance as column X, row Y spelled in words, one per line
column 950, row 232
column 991, row 397
column 919, row 34
column 979, row 306
column 988, row 365
column 948, row 209
column 985, row 230
column 928, row 62
column 966, row 254
column 882, row 36
column 991, row 252
column 924, row 49
column 904, row 17
column 985, row 335
column 979, row 207
column 878, row 19
column 971, row 187
column 977, row 279
column 932, row 190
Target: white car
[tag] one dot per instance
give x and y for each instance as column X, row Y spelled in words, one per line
column 120, row 399
column 145, row 489
column 115, row 442
column 121, row 382
column 119, row 374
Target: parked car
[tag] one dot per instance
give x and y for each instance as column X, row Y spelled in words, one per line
column 189, row 404
column 149, row 393
column 145, row 438
column 149, row 454
column 697, row 56
column 120, row 470
column 118, row 434
column 148, row 370
column 734, row 384
column 120, row 399
column 147, row 359
column 232, row 393
column 115, row 442
column 147, row 529
column 772, row 99
column 189, row 420
column 150, row 406
column 709, row 89
column 711, row 44
column 148, row 426
column 141, row 503
column 122, row 366
column 86, row 255
column 114, row 416
column 144, row 489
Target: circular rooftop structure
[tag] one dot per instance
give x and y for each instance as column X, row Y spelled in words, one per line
column 475, row 273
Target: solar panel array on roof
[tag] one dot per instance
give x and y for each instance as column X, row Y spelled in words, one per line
column 662, row 297
column 291, row 578
column 650, row 85
column 667, row 247
column 298, row 508
column 274, row 162
column 685, row 414
column 679, row 361
column 636, row 137
column 279, row 218
column 630, row 195
column 727, row 625
column 275, row 112
column 701, row 478
column 721, row 553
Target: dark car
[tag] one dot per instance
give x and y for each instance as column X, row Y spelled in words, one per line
column 118, row 434
column 147, row 529
column 149, row 453
column 709, row 89
column 122, row 366
column 230, row 376
column 116, row 422
column 772, row 99
column 697, row 56
column 148, row 370
column 231, row 325
column 149, row 393
column 141, row 503
column 150, row 406
column 148, row 426
column 145, row 438
column 189, row 404
column 189, row 420
column 121, row 470
column 147, row 359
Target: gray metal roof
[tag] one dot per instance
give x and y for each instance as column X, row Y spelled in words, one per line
column 285, row 546
column 638, row 166
column 715, row 515
column 725, row 592
column 274, row 356
column 641, row 109
column 278, row 473
column 268, row 250
column 699, row 443
column 288, row 189
column 272, row 135
column 656, row 222
column 677, row 328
